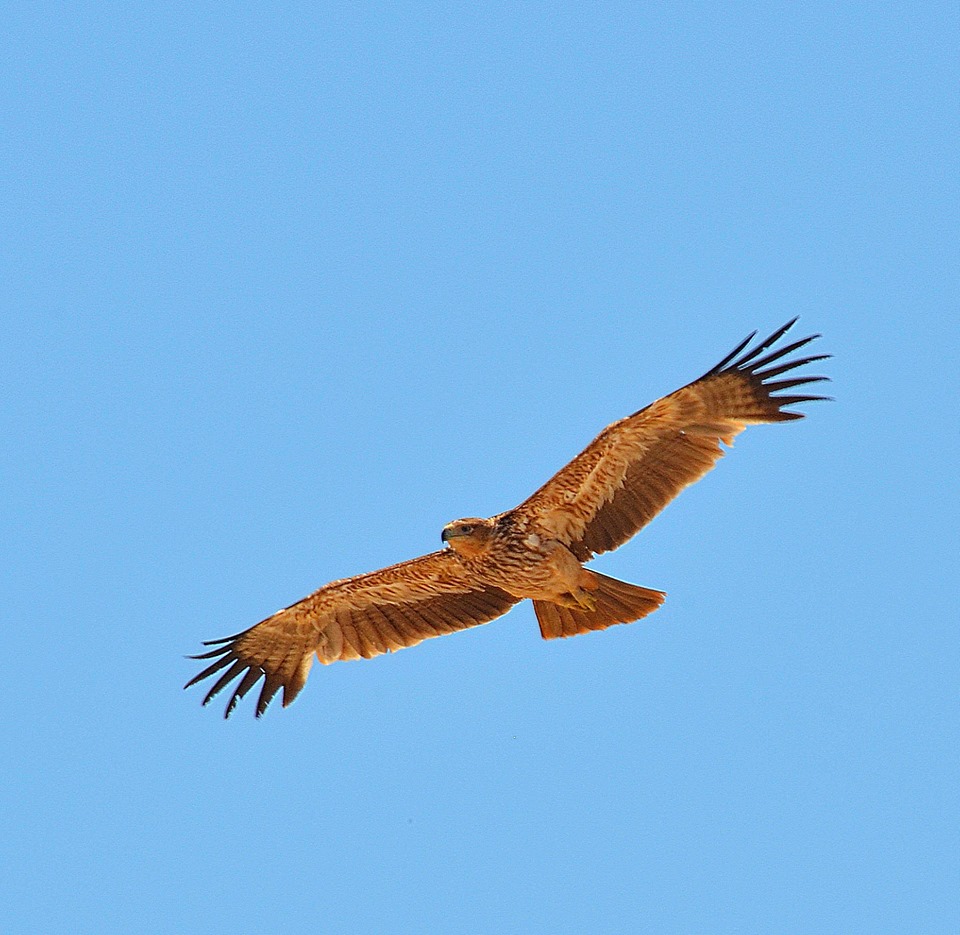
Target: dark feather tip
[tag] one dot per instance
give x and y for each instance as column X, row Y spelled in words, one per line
column 212, row 654
column 210, row 670
column 223, row 639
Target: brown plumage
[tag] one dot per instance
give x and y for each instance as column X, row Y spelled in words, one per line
column 613, row 488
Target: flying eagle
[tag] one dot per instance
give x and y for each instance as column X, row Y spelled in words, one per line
column 537, row 550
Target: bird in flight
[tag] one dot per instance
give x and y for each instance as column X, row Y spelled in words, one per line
column 537, row 550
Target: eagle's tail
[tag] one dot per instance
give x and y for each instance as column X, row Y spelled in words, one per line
column 617, row 602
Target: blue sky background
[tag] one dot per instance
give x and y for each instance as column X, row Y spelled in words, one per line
column 288, row 287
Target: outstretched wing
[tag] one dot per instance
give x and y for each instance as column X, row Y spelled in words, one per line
column 636, row 466
column 356, row 617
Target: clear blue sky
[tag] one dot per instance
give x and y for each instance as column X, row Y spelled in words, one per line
column 287, row 287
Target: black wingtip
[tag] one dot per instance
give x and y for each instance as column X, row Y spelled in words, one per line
column 742, row 354
column 748, row 358
column 210, row 655
column 252, row 676
column 726, row 360
column 223, row 639
column 761, row 363
column 212, row 669
column 790, row 365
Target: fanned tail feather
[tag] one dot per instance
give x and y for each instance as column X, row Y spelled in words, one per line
column 617, row 602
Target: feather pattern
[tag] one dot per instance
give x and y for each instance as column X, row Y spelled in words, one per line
column 355, row 618
column 636, row 466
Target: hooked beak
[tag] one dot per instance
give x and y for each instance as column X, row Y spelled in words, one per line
column 451, row 532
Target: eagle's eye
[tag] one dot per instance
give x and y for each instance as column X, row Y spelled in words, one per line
column 466, row 529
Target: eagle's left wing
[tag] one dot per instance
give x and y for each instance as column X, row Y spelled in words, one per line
column 363, row 616
column 636, row 466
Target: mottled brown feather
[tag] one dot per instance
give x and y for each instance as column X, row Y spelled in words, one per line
column 354, row 618
column 636, row 466
column 617, row 602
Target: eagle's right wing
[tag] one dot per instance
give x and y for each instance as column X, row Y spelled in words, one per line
column 363, row 616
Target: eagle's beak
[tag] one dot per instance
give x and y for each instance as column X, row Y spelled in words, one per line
column 443, row 536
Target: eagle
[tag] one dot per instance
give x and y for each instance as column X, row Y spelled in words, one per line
column 537, row 550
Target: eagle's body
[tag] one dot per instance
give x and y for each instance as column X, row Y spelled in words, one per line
column 537, row 550
column 508, row 552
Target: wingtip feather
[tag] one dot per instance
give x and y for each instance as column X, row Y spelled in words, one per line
column 209, row 670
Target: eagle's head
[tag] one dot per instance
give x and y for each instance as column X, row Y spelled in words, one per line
column 468, row 536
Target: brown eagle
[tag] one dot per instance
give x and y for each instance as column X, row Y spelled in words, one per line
column 613, row 488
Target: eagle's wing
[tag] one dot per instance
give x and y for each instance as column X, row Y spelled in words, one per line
column 636, row 466
column 356, row 617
